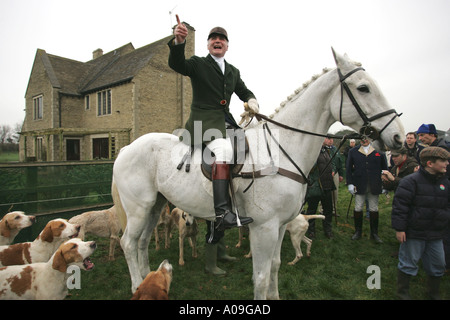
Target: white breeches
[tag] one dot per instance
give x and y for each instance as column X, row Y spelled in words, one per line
column 372, row 201
column 222, row 149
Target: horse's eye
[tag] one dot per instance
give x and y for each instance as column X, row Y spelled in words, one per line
column 363, row 88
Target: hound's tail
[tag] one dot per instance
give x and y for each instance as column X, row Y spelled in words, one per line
column 313, row 216
column 120, row 211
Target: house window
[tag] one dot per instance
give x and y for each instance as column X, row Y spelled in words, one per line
column 38, row 108
column 87, row 102
column 104, row 102
column 100, row 148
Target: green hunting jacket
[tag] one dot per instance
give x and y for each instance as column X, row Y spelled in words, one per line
column 211, row 90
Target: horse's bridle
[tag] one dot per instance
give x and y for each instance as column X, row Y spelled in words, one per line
column 367, row 129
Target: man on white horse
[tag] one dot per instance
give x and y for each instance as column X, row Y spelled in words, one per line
column 213, row 82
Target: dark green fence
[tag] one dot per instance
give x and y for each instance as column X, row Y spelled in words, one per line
column 57, row 189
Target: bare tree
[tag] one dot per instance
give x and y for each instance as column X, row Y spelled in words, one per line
column 5, row 131
column 15, row 134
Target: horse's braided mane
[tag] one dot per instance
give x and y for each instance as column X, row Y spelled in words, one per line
column 298, row 92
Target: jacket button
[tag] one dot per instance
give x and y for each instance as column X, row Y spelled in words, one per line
column 223, row 102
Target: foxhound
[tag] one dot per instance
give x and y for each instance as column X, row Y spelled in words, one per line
column 156, row 284
column 42, row 248
column 102, row 223
column 46, row 280
column 11, row 224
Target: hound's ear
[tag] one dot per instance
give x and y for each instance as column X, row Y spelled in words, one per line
column 47, row 234
column 5, row 229
column 59, row 263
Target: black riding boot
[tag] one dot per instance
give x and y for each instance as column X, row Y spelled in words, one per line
column 374, row 226
column 225, row 219
column 358, row 216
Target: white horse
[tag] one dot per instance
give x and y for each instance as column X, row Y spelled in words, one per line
column 145, row 174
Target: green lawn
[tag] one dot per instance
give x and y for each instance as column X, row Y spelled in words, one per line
column 337, row 268
column 8, row 156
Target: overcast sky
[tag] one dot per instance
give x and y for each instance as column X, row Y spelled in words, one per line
column 277, row 45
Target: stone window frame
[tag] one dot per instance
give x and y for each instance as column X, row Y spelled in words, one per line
column 104, row 102
column 38, row 107
column 87, row 102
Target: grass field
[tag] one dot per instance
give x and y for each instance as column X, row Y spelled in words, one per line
column 7, row 156
column 337, row 268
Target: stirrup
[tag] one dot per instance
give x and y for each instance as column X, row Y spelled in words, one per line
column 222, row 224
column 218, row 223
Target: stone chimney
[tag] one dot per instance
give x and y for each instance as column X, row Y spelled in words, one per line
column 97, row 53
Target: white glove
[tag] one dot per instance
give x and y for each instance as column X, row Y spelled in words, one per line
column 351, row 189
column 253, row 106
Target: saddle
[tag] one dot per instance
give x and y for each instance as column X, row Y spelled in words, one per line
column 240, row 146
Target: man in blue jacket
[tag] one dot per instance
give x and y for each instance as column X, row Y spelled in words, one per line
column 420, row 216
column 363, row 175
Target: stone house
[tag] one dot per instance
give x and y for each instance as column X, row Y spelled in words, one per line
column 89, row 110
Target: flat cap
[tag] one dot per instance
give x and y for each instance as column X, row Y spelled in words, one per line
column 398, row 152
column 434, row 152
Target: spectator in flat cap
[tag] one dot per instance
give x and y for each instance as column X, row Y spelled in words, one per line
column 428, row 134
column 433, row 153
column 403, row 166
column 420, row 217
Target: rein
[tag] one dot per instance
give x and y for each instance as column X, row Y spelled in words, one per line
column 301, row 178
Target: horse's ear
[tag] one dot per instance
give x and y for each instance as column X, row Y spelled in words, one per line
column 334, row 55
column 343, row 62
column 339, row 59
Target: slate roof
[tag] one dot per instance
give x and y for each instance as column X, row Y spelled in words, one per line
column 113, row 68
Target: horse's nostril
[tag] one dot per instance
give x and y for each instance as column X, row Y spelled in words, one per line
column 398, row 140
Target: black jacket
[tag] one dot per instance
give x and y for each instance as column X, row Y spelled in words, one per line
column 421, row 206
column 320, row 176
column 364, row 171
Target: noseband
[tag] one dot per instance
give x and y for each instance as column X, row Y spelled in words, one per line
column 367, row 129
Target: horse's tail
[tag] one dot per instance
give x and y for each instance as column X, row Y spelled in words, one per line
column 313, row 216
column 120, row 211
